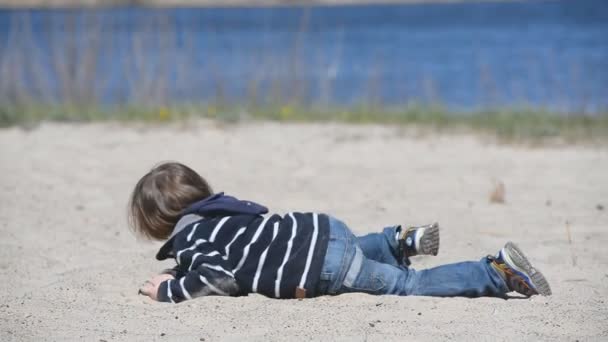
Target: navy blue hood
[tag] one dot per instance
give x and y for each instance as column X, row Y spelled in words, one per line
column 218, row 205
column 223, row 205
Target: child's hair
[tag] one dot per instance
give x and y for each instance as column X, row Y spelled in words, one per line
column 160, row 197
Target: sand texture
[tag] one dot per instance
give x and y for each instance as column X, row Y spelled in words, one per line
column 71, row 268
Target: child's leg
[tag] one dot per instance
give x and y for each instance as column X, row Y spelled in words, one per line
column 382, row 247
column 348, row 269
column 394, row 246
column 467, row 279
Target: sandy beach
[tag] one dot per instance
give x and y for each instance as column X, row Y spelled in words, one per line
column 72, row 268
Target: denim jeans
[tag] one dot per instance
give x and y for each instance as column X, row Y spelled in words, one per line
column 370, row 264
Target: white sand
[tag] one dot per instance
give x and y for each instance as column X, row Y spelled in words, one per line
column 71, row 268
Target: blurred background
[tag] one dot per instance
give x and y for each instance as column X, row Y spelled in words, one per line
column 304, row 60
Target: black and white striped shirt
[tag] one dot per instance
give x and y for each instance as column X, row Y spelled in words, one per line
column 276, row 256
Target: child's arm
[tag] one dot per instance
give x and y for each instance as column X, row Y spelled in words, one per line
column 175, row 272
column 150, row 287
column 210, row 275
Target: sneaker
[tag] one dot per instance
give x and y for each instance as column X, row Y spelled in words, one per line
column 517, row 272
column 420, row 240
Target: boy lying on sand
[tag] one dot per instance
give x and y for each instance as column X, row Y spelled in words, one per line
column 225, row 246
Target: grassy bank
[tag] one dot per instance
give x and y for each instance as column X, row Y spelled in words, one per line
column 512, row 124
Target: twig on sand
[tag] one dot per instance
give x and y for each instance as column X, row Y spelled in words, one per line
column 498, row 193
column 570, row 243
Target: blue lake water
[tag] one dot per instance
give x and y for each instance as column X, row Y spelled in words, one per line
column 550, row 54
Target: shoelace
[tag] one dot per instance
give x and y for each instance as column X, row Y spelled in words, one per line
column 519, row 285
column 514, row 281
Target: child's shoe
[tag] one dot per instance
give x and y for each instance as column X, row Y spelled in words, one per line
column 518, row 273
column 420, row 240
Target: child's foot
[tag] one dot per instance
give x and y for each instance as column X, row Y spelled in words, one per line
column 421, row 240
column 518, row 273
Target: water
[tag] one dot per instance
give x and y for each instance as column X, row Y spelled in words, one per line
column 551, row 54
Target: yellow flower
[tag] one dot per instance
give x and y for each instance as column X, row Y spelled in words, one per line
column 164, row 113
column 286, row 112
column 212, row 111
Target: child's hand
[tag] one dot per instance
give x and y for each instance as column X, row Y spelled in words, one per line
column 150, row 287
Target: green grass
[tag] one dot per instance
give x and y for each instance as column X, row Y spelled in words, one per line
column 510, row 123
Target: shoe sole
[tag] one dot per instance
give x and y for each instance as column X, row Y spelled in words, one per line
column 520, row 263
column 429, row 240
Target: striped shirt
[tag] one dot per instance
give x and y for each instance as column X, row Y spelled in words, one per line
column 279, row 257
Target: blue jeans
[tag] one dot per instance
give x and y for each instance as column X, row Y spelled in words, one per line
column 370, row 264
